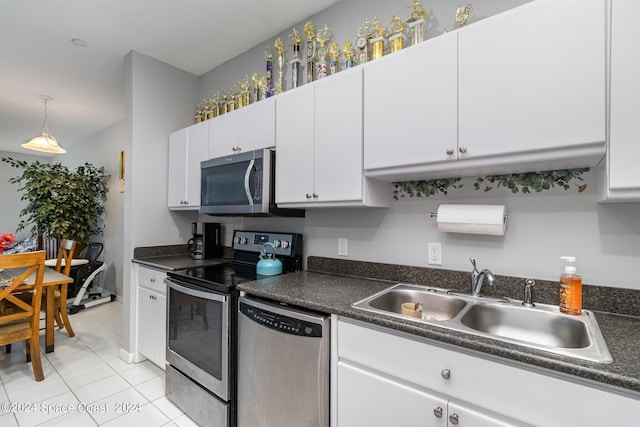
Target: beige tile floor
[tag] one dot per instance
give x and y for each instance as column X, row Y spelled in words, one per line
column 86, row 383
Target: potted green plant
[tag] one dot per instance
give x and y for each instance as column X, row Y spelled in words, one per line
column 61, row 202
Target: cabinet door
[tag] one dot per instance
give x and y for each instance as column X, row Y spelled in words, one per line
column 368, row 399
column 197, row 151
column 177, row 169
column 338, row 137
column 146, row 322
column 624, row 149
column 160, row 331
column 410, row 105
column 257, row 125
column 532, row 79
column 223, row 135
column 294, row 146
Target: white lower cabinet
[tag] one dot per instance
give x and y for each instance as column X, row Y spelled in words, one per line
column 382, row 377
column 368, row 398
column 152, row 316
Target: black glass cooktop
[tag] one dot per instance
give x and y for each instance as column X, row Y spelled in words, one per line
column 221, row 277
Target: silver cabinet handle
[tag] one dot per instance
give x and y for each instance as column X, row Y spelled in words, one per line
column 446, row 374
column 153, row 280
column 463, row 149
column 153, row 297
column 453, row 419
column 438, row 412
column 315, row 196
column 308, row 196
column 449, row 151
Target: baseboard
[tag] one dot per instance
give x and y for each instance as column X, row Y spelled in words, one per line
column 126, row 356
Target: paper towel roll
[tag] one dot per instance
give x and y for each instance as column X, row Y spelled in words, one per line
column 473, row 219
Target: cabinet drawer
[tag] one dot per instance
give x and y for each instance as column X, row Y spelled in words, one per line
column 152, row 279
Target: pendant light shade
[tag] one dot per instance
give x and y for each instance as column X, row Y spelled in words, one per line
column 45, row 142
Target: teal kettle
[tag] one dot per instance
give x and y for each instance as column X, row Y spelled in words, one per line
column 268, row 265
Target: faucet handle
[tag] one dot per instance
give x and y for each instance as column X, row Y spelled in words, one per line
column 473, row 262
column 528, row 299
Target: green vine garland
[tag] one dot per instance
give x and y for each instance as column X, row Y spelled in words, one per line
column 537, row 181
column 424, row 188
column 524, row 182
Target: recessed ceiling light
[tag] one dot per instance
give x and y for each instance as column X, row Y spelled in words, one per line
column 79, row 42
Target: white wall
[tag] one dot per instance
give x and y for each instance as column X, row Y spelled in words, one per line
column 159, row 99
column 103, row 149
column 9, row 195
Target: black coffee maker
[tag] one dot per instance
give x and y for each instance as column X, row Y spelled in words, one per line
column 206, row 240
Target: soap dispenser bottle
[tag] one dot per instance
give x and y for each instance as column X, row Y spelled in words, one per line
column 570, row 288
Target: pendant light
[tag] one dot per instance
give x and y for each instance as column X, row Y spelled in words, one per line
column 45, row 142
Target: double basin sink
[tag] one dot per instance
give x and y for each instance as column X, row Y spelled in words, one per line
column 542, row 327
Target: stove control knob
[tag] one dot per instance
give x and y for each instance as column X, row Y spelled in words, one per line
column 277, row 243
column 285, row 244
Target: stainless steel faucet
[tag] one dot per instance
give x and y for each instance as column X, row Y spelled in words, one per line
column 477, row 278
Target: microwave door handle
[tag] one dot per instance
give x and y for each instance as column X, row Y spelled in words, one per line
column 247, row 175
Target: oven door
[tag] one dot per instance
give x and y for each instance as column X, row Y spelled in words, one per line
column 237, row 184
column 198, row 335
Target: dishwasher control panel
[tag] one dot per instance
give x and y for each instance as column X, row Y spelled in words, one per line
column 281, row 323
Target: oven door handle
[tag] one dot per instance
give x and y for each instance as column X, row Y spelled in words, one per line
column 247, row 175
column 196, row 293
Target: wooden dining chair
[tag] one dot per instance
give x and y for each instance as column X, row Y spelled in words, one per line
column 63, row 265
column 19, row 319
column 66, row 249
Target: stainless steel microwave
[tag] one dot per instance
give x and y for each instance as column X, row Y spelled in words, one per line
column 241, row 184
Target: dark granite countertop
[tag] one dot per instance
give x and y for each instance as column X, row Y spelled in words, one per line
column 334, row 294
column 177, row 262
column 173, row 257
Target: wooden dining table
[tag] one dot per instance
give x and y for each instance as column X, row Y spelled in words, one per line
column 50, row 283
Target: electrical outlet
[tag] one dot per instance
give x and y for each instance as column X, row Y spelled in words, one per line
column 342, row 246
column 435, row 253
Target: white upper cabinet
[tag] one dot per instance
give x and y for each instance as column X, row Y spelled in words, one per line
column 246, row 129
column 410, row 108
column 520, row 91
column 187, row 148
column 319, row 146
column 531, row 87
column 623, row 180
column 294, row 145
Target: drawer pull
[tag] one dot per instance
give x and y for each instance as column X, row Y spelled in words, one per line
column 446, row 374
column 438, row 412
column 453, row 419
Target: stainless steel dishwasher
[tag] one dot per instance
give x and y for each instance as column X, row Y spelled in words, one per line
column 283, row 365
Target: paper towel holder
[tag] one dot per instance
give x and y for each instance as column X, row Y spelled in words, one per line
column 471, row 219
column 435, row 215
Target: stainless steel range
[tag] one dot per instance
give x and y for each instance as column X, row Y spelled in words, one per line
column 202, row 326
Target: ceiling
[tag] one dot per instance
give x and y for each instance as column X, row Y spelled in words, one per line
column 87, row 83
